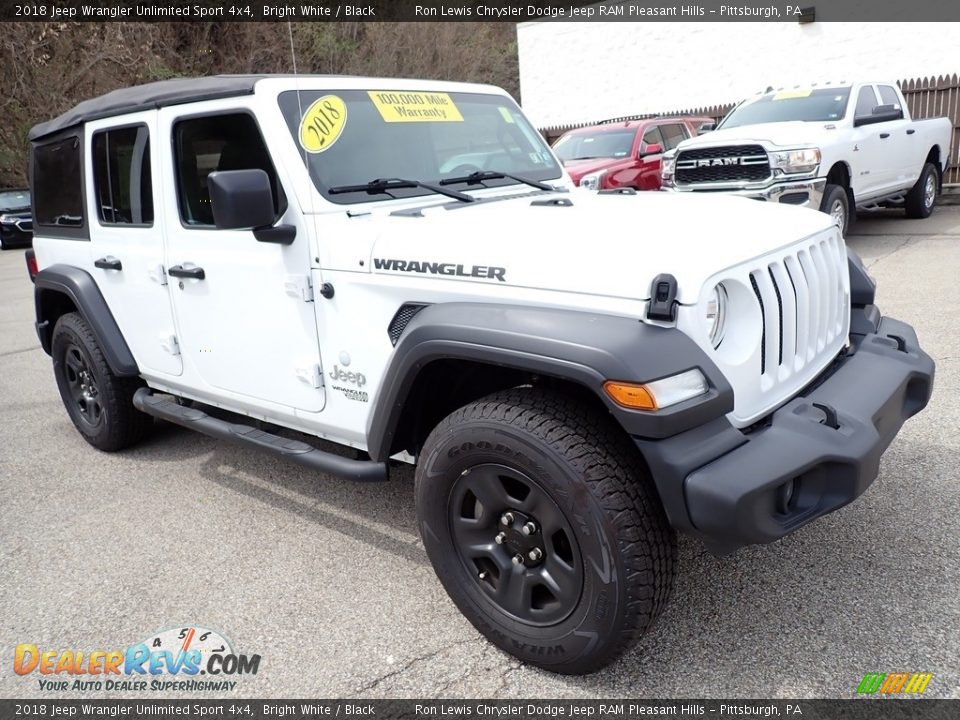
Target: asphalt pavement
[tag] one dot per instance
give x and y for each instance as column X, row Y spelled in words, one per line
column 328, row 582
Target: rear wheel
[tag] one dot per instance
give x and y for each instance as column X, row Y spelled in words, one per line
column 923, row 195
column 836, row 204
column 99, row 403
column 542, row 525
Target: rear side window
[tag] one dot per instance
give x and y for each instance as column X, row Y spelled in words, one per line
column 888, row 96
column 58, row 183
column 121, row 171
column 212, row 143
column 673, row 135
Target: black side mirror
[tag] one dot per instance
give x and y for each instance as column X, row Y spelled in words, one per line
column 881, row 113
column 706, row 127
column 243, row 200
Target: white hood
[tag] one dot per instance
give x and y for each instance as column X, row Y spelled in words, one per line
column 604, row 245
column 782, row 134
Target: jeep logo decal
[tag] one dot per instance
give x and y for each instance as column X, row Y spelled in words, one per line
column 354, row 378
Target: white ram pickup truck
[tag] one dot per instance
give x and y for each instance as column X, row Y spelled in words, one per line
column 836, row 148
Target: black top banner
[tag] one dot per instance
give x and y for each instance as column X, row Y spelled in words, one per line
column 247, row 709
column 801, row 11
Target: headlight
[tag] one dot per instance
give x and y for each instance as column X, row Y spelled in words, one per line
column 795, row 161
column 593, row 180
column 7, row 220
column 658, row 394
column 668, row 163
column 717, row 314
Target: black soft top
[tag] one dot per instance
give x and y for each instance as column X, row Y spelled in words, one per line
column 150, row 96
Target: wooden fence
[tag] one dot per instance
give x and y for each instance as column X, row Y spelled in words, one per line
column 926, row 98
column 937, row 97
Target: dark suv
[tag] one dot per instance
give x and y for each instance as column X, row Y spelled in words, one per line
column 16, row 219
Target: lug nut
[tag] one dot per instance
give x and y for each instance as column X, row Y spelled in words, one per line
column 506, row 518
column 500, row 538
column 518, row 559
column 535, row 554
column 528, row 529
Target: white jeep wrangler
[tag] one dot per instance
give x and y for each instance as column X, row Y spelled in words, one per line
column 401, row 267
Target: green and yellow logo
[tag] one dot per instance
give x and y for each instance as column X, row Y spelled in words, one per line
column 894, row 683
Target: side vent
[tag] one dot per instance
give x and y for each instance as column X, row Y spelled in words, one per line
column 403, row 316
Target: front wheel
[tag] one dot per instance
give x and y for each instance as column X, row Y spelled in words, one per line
column 836, row 204
column 542, row 525
column 923, row 195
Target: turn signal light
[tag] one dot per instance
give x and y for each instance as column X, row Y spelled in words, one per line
column 635, row 397
column 32, row 267
column 658, row 394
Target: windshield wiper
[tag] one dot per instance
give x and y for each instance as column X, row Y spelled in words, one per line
column 479, row 176
column 385, row 185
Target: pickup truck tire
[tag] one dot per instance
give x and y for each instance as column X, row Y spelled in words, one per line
column 923, row 195
column 836, row 204
column 99, row 403
column 543, row 526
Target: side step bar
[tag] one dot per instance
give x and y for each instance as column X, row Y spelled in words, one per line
column 300, row 452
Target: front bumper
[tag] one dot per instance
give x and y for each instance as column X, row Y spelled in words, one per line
column 729, row 487
column 804, row 193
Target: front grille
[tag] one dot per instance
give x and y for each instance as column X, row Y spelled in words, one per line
column 801, row 300
column 729, row 163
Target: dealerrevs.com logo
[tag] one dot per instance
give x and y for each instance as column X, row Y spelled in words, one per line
column 191, row 659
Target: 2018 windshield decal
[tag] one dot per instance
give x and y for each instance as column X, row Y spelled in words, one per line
column 423, row 266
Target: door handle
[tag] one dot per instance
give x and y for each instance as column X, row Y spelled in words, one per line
column 910, row 131
column 884, row 136
column 195, row 273
column 108, row 263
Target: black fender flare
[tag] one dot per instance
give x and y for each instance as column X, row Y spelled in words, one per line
column 583, row 347
column 82, row 290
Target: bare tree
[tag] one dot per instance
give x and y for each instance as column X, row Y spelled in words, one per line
column 46, row 68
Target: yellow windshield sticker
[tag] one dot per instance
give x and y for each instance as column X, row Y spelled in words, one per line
column 322, row 124
column 507, row 115
column 793, row 94
column 415, row 106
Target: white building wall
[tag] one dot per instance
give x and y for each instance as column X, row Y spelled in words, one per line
column 581, row 72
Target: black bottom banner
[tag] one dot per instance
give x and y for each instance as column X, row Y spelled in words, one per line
column 917, row 709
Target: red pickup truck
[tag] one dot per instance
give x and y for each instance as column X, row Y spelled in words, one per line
column 624, row 153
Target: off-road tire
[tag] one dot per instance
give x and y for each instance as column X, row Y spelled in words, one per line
column 919, row 203
column 835, row 196
column 588, row 468
column 118, row 424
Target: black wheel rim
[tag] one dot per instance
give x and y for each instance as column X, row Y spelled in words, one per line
column 82, row 386
column 516, row 544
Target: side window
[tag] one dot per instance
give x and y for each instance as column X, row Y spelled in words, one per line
column 58, row 183
column 217, row 142
column 866, row 101
column 123, row 185
column 888, row 96
column 652, row 137
column 673, row 135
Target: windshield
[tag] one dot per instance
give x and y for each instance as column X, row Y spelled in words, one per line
column 596, row 144
column 352, row 137
column 821, row 105
column 14, row 199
